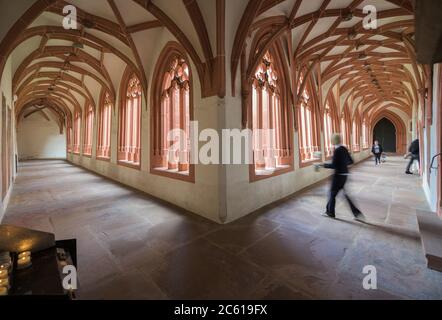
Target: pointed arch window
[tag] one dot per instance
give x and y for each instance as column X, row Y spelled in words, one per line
column 330, row 124
column 104, row 127
column 346, row 128
column 69, row 138
column 88, row 131
column 129, row 133
column 365, row 142
column 171, row 154
column 308, row 135
column 172, row 113
column 76, row 131
column 328, row 130
column 270, row 120
column 356, row 134
column 344, row 131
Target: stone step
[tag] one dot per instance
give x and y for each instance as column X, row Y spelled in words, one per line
column 430, row 227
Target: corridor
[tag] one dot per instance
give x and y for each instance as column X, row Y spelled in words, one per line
column 132, row 246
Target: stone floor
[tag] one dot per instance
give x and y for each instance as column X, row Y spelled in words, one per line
column 132, row 246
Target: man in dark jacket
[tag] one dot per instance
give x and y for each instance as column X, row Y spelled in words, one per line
column 377, row 152
column 414, row 154
column 340, row 163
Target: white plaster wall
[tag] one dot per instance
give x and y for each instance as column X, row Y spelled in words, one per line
column 38, row 138
column 430, row 181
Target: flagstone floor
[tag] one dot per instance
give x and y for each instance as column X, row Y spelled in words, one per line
column 132, row 246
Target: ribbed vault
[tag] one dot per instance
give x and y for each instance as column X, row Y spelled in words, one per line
column 63, row 71
column 325, row 40
column 372, row 69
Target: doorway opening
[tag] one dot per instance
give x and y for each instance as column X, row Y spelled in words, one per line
column 40, row 135
column 385, row 133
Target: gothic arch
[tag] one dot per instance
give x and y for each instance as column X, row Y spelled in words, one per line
column 333, row 108
column 306, row 86
column 172, row 51
column 329, row 123
column 346, row 125
column 401, row 131
column 248, row 67
column 131, row 155
column 273, row 59
column 105, row 110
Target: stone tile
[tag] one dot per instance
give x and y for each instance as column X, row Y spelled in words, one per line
column 306, row 261
column 91, row 270
column 201, row 270
column 173, row 234
column 401, row 272
column 236, row 238
column 342, row 290
column 403, row 216
column 129, row 250
column 276, row 289
column 132, row 246
column 128, row 286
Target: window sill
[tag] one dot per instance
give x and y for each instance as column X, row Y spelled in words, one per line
column 258, row 175
column 103, row 159
column 131, row 165
column 187, row 176
column 173, row 171
column 308, row 163
column 265, row 172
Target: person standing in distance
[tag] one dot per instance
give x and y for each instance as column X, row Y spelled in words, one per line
column 377, row 152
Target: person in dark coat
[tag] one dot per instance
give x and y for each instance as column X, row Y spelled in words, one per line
column 340, row 163
column 377, row 152
column 414, row 155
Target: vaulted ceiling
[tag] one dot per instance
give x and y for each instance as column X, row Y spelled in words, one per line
column 67, row 69
column 376, row 69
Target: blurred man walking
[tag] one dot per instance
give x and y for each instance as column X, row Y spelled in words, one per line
column 340, row 163
column 414, row 154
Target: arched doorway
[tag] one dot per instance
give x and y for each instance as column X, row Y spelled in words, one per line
column 385, row 133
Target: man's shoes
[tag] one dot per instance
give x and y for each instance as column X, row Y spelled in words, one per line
column 360, row 217
column 328, row 215
column 408, row 172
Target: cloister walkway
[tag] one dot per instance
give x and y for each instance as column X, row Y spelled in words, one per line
column 132, row 246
